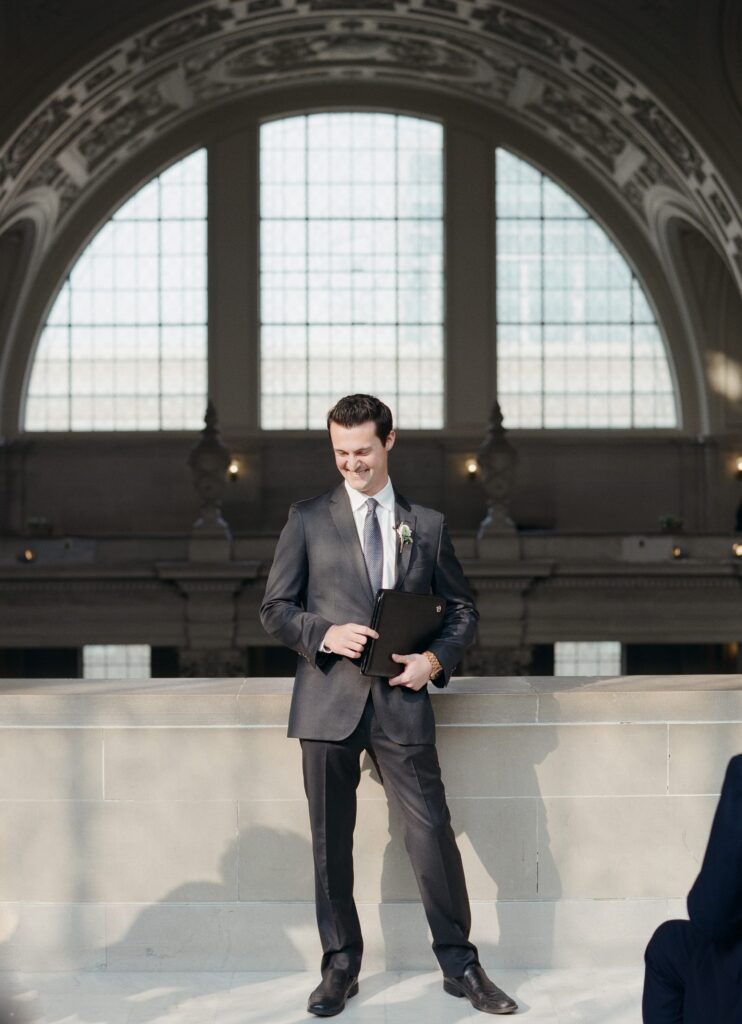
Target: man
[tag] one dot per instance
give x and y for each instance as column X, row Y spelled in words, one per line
column 694, row 968
column 334, row 553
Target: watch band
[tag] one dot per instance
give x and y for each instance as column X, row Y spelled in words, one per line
column 435, row 666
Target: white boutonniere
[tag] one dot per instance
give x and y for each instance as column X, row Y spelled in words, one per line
column 405, row 535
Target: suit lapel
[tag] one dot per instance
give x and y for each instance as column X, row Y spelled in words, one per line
column 403, row 514
column 342, row 515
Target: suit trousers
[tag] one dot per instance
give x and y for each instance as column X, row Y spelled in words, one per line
column 411, row 777
column 685, row 981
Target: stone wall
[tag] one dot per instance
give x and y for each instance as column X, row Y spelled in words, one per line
column 162, row 824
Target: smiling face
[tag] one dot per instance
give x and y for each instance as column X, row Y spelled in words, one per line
column 360, row 456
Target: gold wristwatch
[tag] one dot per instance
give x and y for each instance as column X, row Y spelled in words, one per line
column 435, row 666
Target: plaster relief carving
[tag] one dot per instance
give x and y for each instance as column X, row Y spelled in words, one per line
column 669, row 136
column 527, row 32
column 100, row 77
column 395, row 52
column 574, row 118
column 33, row 136
column 635, row 195
column 720, row 207
column 602, row 75
column 177, row 32
column 552, row 80
column 108, row 135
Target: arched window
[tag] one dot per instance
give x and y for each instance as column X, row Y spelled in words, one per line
column 578, row 345
column 124, row 346
column 351, row 293
column 351, row 282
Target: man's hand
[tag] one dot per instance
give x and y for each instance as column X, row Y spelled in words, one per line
column 349, row 639
column 416, row 673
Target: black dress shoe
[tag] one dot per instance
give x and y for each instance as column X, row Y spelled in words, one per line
column 482, row 993
column 330, row 995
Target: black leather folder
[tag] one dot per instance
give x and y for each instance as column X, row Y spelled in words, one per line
column 406, row 624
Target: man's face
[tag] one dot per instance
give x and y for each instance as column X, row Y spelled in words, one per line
column 360, row 456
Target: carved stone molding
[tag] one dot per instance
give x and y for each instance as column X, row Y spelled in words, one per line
column 71, row 584
column 549, row 79
column 637, row 582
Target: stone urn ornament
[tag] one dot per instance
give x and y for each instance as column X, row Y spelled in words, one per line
column 209, row 460
column 497, row 461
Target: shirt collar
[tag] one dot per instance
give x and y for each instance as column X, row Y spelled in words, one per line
column 385, row 496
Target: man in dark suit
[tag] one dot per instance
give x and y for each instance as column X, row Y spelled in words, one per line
column 334, row 553
column 694, row 968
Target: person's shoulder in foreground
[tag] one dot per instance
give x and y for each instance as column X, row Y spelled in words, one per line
column 715, row 901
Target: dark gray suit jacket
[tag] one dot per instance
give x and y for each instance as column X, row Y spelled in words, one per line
column 318, row 579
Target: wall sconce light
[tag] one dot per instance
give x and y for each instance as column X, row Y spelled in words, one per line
column 738, row 467
column 737, row 549
column 27, row 555
column 678, row 552
column 472, row 468
column 233, row 470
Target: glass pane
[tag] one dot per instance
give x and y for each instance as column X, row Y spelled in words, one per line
column 116, row 661
column 578, row 344
column 351, row 263
column 131, row 308
column 587, row 658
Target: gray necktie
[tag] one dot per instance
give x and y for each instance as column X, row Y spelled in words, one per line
column 373, row 547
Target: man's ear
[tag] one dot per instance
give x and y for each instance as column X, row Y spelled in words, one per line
column 389, row 443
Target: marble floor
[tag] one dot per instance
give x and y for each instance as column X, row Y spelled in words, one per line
column 567, row 996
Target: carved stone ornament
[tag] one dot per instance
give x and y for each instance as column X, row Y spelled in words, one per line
column 497, row 460
column 221, row 50
column 209, row 460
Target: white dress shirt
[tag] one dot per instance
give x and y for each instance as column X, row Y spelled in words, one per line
column 386, row 514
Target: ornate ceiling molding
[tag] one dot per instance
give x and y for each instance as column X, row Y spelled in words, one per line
column 223, row 50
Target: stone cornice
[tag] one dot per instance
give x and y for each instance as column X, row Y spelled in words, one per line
column 483, row 575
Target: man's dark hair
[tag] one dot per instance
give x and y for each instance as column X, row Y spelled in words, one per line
column 353, row 410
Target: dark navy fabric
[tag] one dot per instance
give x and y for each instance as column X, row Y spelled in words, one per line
column 694, row 968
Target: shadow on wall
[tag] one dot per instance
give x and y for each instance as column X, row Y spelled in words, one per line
column 197, row 924
column 17, row 1005
column 225, row 925
column 500, row 822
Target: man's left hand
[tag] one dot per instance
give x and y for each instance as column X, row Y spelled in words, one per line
column 415, row 674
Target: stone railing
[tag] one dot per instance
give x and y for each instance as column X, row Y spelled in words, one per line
column 162, row 824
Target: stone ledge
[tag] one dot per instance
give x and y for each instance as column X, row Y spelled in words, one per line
column 468, row 701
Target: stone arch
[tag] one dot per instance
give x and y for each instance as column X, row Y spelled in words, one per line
column 202, row 128
column 710, row 300
column 164, row 79
column 545, row 77
column 21, row 243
